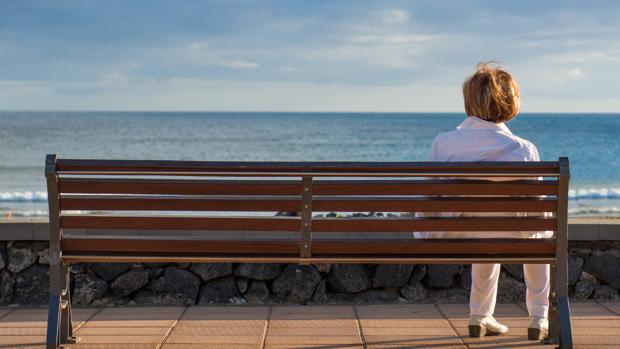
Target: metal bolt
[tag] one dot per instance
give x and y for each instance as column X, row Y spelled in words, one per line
column 305, row 246
column 306, row 224
column 306, row 189
column 306, row 206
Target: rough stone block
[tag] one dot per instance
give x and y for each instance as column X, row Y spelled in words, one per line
column 348, row 278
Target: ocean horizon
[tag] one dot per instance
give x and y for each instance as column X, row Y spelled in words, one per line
column 589, row 140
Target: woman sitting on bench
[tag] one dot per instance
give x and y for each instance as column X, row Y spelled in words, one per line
column 491, row 98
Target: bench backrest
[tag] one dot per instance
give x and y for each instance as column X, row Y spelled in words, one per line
column 106, row 195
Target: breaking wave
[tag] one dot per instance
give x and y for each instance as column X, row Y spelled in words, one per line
column 23, row 196
column 574, row 194
column 23, row 214
column 592, row 210
column 594, row 193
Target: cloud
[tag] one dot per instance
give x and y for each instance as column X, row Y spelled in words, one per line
column 292, row 25
column 575, row 73
column 581, row 56
column 114, row 78
column 395, row 16
column 349, row 48
column 390, row 39
column 190, row 94
column 289, row 69
column 235, row 64
column 204, row 53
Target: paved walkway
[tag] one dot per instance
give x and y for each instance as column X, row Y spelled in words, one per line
column 595, row 325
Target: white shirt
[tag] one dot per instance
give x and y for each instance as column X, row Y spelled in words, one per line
column 480, row 140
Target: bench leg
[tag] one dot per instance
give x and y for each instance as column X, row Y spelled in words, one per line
column 566, row 332
column 560, row 331
column 554, row 329
column 53, row 315
column 66, row 325
column 59, row 325
column 562, row 303
column 53, row 319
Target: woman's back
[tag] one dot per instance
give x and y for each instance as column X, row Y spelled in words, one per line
column 479, row 140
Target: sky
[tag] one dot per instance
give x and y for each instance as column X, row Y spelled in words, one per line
column 294, row 55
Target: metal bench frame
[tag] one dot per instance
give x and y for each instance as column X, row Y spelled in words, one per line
column 311, row 194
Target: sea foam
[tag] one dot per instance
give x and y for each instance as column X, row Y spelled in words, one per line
column 573, row 194
column 23, row 196
column 594, row 193
column 592, row 210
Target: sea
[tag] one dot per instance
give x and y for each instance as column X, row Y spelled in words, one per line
column 591, row 141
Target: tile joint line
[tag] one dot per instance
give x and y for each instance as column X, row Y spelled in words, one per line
column 522, row 306
column 87, row 320
column 266, row 329
column 451, row 325
column 8, row 312
column 360, row 331
column 608, row 308
column 171, row 328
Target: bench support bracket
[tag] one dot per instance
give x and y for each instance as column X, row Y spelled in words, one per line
column 305, row 243
column 560, row 326
column 59, row 324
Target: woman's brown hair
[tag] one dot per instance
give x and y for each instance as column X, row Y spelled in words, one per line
column 491, row 93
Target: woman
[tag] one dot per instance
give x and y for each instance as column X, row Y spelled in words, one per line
column 491, row 98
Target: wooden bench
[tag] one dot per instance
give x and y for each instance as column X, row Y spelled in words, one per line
column 96, row 196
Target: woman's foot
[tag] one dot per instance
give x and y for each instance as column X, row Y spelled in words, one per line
column 538, row 329
column 480, row 326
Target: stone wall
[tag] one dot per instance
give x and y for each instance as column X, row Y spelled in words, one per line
column 594, row 273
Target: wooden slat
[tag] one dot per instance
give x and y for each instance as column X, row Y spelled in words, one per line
column 443, row 247
column 180, row 223
column 397, row 204
column 434, row 246
column 129, row 203
column 435, row 187
column 157, row 166
column 355, row 224
column 292, row 258
column 117, row 244
column 348, row 224
column 409, row 204
column 99, row 185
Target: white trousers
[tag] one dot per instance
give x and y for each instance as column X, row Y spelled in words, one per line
column 484, row 279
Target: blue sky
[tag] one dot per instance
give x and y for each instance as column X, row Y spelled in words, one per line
column 303, row 55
